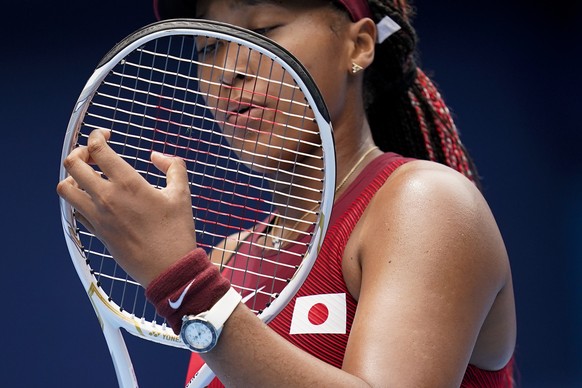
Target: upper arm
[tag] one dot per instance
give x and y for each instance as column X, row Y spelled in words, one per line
column 432, row 262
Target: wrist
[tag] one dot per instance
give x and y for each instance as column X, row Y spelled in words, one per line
column 190, row 286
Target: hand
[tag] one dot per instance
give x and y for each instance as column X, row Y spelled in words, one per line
column 144, row 228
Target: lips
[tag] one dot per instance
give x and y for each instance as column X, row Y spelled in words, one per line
column 242, row 113
column 238, row 108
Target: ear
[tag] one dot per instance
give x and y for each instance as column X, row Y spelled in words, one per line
column 363, row 38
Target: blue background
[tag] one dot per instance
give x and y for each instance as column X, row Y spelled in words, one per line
column 509, row 71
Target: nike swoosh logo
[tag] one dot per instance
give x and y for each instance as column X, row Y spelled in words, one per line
column 249, row 296
column 176, row 305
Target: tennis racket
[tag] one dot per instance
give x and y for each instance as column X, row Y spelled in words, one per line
column 256, row 136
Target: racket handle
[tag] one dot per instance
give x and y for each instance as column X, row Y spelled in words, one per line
column 202, row 378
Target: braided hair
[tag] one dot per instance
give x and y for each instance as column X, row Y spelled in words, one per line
column 406, row 112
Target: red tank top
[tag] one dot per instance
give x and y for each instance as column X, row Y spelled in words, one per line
column 325, row 311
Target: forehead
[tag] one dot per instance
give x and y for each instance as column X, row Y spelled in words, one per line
column 205, row 3
column 202, row 6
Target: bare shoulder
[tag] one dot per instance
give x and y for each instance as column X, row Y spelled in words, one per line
column 424, row 198
column 429, row 182
column 434, row 272
column 431, row 207
column 426, row 211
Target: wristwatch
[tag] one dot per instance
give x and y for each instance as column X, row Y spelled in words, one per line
column 200, row 332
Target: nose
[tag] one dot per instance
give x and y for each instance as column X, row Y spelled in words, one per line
column 235, row 67
column 230, row 77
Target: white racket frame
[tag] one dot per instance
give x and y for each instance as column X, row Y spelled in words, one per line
column 110, row 316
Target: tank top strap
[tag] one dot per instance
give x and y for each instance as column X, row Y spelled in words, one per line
column 359, row 193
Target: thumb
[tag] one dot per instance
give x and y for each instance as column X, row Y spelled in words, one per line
column 174, row 168
column 161, row 161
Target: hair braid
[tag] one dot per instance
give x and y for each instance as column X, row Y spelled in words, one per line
column 407, row 114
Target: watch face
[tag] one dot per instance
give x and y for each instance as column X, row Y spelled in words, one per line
column 199, row 335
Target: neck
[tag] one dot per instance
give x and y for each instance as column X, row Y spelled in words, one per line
column 354, row 149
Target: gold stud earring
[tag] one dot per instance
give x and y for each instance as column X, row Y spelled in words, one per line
column 356, row 68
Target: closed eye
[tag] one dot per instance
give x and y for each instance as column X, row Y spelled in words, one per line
column 265, row 30
column 206, row 46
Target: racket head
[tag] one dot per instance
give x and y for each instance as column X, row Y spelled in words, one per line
column 260, row 157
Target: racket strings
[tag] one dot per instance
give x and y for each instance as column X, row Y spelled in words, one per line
column 103, row 118
column 109, row 276
column 197, row 93
column 242, row 171
column 261, row 278
column 215, row 67
column 159, row 175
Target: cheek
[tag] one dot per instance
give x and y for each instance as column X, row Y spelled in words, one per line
column 332, row 84
column 327, row 69
column 324, row 57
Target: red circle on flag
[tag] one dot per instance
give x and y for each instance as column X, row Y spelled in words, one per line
column 318, row 314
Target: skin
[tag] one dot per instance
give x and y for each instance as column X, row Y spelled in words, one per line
column 426, row 262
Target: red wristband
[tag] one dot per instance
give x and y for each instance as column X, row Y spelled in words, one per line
column 190, row 286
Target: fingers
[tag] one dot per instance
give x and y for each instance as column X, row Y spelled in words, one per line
column 175, row 170
column 161, row 161
column 77, row 165
column 100, row 153
column 69, row 190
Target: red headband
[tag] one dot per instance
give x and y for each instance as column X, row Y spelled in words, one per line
column 358, row 9
column 165, row 9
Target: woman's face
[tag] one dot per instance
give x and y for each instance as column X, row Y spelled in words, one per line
column 312, row 30
column 248, row 106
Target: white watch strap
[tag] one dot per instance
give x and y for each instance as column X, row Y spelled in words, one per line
column 222, row 310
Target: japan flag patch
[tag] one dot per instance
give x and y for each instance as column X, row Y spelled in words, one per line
column 319, row 314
